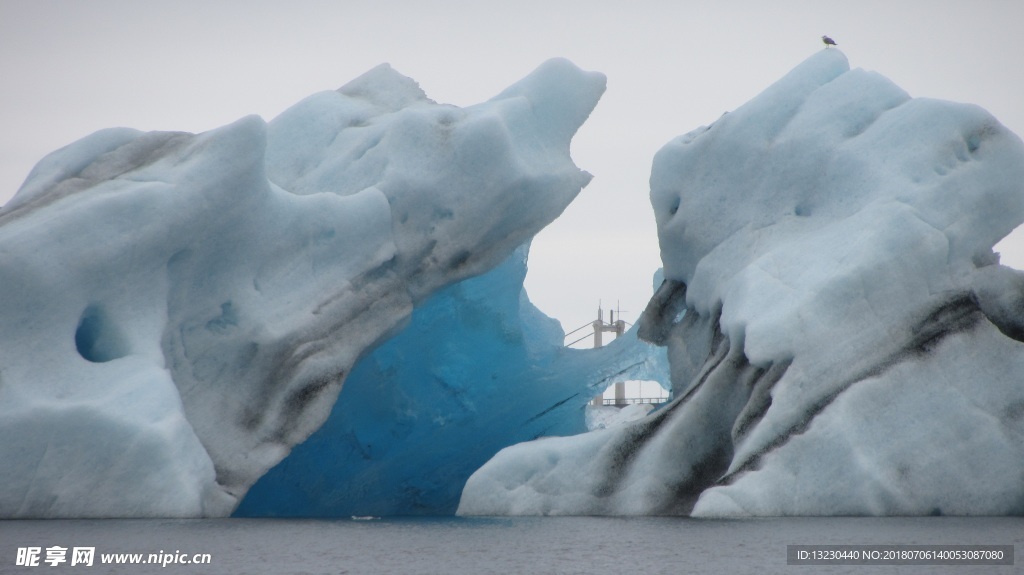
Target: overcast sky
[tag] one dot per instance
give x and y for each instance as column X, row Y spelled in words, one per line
column 71, row 67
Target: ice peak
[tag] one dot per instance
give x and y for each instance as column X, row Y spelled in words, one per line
column 385, row 87
column 822, row 60
column 561, row 94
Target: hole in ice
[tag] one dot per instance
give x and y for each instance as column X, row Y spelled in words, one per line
column 634, row 392
column 623, row 402
column 674, row 207
column 460, row 259
column 1011, row 249
column 97, row 338
column 973, row 143
column 679, row 316
column 227, row 319
column 975, row 138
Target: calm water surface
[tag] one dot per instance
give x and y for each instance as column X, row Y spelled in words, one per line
column 452, row 546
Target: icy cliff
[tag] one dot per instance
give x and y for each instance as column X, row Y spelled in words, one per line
column 842, row 338
column 179, row 310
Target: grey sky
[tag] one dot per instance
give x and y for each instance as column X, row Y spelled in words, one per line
column 71, row 67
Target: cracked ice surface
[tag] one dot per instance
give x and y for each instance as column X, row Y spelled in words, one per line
column 180, row 309
column 850, row 343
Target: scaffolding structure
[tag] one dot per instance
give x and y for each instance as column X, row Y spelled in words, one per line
column 616, row 325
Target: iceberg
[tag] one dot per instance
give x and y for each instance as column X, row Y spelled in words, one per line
column 841, row 336
column 180, row 310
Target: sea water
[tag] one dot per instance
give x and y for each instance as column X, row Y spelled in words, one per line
column 452, row 546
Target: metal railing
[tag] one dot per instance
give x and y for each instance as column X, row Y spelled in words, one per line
column 635, row 400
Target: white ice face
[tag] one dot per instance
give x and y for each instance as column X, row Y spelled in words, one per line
column 179, row 310
column 850, row 344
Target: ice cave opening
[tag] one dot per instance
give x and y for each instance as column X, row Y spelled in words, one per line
column 625, row 401
column 1011, row 249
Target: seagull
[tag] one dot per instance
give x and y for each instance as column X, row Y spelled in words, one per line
column 828, row 41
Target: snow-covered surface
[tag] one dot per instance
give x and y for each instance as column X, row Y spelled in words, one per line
column 479, row 368
column 849, row 343
column 179, row 310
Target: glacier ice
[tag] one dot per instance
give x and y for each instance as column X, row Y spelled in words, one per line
column 842, row 339
column 477, row 369
column 181, row 309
